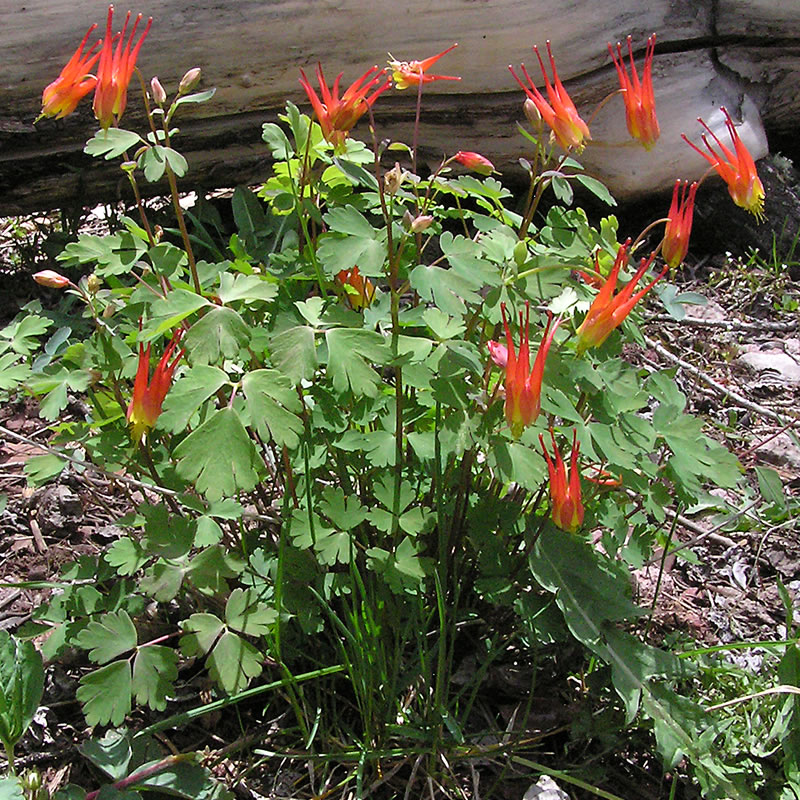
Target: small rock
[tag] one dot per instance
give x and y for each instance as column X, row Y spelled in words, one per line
column 781, row 367
column 781, row 452
column 710, row 311
column 545, row 789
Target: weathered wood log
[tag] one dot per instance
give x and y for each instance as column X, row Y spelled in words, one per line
column 710, row 53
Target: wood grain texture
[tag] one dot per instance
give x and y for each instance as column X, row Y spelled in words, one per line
column 252, row 50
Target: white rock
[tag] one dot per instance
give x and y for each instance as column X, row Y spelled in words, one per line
column 545, row 789
column 781, row 452
column 780, row 366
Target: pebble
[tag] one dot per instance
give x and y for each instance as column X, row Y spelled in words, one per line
column 780, row 366
column 781, row 452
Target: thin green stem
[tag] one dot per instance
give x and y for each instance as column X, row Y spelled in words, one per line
column 147, row 454
column 657, row 590
column 536, row 270
column 9, row 748
column 187, row 245
column 541, row 185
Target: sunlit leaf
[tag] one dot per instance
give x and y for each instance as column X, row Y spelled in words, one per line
column 273, row 407
column 294, row 353
column 21, row 686
column 109, row 637
column 219, row 456
column 220, row 332
column 111, row 143
column 106, row 694
column 246, row 614
column 187, row 394
column 351, row 351
column 154, row 671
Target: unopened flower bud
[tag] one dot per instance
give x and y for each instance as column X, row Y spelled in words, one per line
column 520, row 253
column 51, row 279
column 532, row 113
column 474, row 161
column 189, row 80
column 157, row 90
column 408, row 220
column 93, row 284
column 393, row 179
column 31, row 780
column 422, row 222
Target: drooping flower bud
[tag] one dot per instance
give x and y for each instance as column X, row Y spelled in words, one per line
column 421, row 223
column 157, row 91
column 498, row 353
column 51, row 279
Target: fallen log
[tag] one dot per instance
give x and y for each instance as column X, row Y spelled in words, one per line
column 708, row 54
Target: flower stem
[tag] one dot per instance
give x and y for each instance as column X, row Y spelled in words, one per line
column 145, row 773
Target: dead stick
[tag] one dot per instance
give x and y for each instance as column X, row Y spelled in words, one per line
column 735, row 396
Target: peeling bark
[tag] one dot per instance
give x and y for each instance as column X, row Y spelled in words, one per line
column 742, row 53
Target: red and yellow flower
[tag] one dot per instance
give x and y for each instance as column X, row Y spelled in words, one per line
column 736, row 167
column 679, row 226
column 337, row 115
column 565, row 489
column 147, row 399
column 523, row 384
column 413, row 73
column 608, row 311
column 359, row 290
column 640, row 104
column 570, row 131
column 115, row 70
column 62, row 96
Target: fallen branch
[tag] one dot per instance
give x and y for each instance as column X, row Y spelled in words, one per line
column 727, row 324
column 738, row 399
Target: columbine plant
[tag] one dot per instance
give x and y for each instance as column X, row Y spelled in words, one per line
column 349, row 488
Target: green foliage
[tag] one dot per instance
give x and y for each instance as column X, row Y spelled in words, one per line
column 111, row 143
column 231, row 660
column 135, row 763
column 10, row 789
column 148, row 675
column 219, row 456
column 21, row 687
